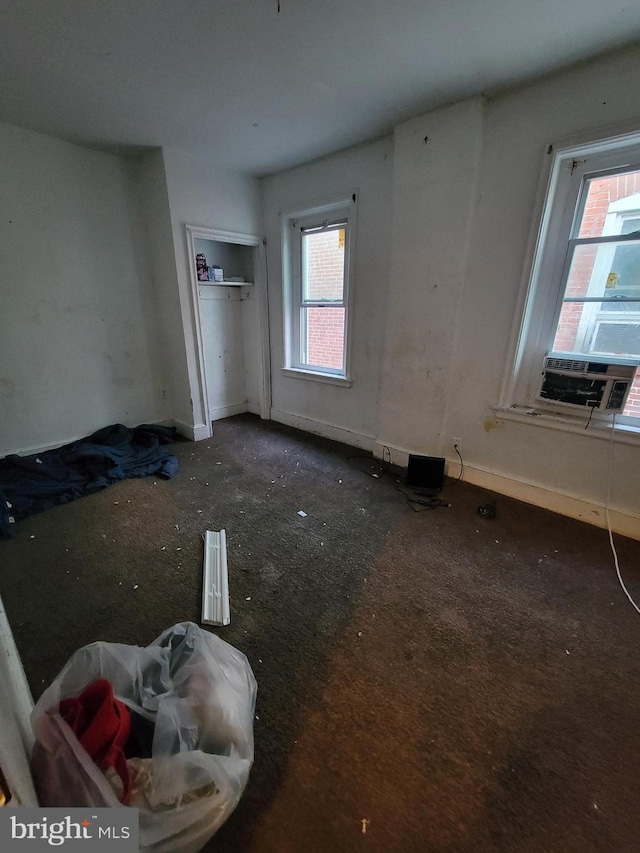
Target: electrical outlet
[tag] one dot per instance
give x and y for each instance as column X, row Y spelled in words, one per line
column 456, row 443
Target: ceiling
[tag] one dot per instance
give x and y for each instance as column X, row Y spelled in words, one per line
column 259, row 90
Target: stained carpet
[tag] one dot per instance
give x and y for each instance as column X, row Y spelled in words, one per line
column 432, row 681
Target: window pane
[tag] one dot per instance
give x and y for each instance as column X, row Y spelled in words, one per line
column 616, row 338
column 323, row 265
column 567, row 331
column 624, row 278
column 601, row 194
column 610, row 271
column 585, row 328
column 322, row 337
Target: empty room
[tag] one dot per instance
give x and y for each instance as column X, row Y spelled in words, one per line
column 320, row 425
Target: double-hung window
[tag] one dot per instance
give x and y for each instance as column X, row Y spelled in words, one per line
column 317, row 289
column 584, row 296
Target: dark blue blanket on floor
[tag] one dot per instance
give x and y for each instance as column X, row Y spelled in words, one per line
column 30, row 484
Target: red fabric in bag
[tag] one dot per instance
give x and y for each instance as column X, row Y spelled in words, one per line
column 102, row 724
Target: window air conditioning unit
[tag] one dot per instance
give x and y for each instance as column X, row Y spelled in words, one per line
column 586, row 384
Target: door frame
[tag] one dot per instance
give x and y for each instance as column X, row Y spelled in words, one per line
column 194, row 232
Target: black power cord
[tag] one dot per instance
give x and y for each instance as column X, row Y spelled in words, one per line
column 382, row 466
column 455, row 447
column 422, row 504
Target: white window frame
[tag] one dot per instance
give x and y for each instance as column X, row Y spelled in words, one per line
column 325, row 215
column 569, row 167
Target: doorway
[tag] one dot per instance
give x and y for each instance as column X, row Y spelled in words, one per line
column 227, row 272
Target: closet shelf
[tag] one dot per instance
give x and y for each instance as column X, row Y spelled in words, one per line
column 226, row 283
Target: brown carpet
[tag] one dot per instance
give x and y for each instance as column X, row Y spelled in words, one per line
column 461, row 684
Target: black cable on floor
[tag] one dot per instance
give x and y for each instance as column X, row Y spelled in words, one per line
column 417, row 504
column 382, row 466
column 422, row 503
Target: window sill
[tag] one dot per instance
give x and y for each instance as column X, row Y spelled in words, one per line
column 623, row 434
column 315, row 376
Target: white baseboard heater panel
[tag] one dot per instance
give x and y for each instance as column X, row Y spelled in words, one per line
column 215, row 581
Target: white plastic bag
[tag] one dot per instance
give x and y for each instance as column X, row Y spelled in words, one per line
column 200, row 692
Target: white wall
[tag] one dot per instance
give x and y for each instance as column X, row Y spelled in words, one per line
column 153, row 200
column 443, row 286
column 346, row 413
column 201, row 194
column 434, row 180
column 507, row 140
column 76, row 332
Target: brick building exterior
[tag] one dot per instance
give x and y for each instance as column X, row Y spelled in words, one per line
column 325, row 280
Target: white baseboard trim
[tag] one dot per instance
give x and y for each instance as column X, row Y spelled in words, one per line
column 220, row 412
column 42, row 448
column 194, row 432
column 254, row 408
column 215, row 581
column 200, row 432
column 396, row 456
column 622, row 522
column 335, row 433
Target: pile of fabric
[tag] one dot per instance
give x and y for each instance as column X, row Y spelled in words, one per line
column 116, row 738
column 31, row 484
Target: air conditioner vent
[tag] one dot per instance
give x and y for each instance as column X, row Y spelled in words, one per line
column 565, row 364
